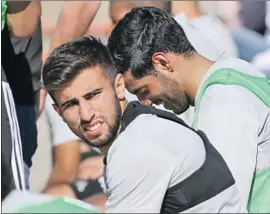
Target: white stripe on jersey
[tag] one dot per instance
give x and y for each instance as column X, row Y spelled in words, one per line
column 16, row 153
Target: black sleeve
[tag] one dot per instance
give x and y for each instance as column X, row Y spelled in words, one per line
column 17, row 6
column 23, row 75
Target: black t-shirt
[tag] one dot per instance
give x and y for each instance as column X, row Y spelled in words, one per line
column 21, row 62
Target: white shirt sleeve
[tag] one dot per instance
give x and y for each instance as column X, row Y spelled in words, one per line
column 137, row 179
column 232, row 129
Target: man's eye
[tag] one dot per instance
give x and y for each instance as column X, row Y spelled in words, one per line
column 69, row 105
column 143, row 91
column 92, row 95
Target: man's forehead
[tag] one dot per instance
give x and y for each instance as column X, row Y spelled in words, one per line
column 85, row 82
column 132, row 83
column 129, row 79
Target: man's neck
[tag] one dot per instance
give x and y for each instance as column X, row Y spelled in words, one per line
column 195, row 68
column 123, row 105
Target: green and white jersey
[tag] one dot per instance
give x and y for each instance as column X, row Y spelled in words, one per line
column 235, row 115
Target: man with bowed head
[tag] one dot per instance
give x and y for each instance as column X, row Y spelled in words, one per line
column 231, row 97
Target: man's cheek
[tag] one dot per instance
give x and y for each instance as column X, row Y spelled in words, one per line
column 73, row 123
column 70, row 117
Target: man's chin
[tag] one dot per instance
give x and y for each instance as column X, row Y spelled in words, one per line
column 176, row 112
column 179, row 111
column 97, row 143
column 171, row 109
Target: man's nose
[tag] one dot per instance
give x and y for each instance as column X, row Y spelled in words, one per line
column 86, row 112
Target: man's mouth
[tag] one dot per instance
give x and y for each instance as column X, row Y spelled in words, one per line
column 93, row 129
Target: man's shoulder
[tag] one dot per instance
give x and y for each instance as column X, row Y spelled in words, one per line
column 150, row 133
column 239, row 65
column 231, row 93
column 224, row 97
column 151, row 125
column 131, row 147
column 138, row 132
column 141, row 134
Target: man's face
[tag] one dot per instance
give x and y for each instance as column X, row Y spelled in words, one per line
column 90, row 106
column 158, row 89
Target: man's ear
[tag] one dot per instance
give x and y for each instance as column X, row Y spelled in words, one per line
column 161, row 62
column 58, row 110
column 119, row 85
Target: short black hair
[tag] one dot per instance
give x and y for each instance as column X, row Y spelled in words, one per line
column 141, row 33
column 70, row 59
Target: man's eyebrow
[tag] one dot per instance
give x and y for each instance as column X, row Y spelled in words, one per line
column 67, row 102
column 93, row 92
column 90, row 93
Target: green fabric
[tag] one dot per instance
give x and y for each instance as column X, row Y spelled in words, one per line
column 3, row 13
column 59, row 205
column 259, row 200
column 260, row 86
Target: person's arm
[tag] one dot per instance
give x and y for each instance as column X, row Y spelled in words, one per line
column 91, row 168
column 22, row 17
column 232, row 129
column 66, row 148
column 74, row 20
column 189, row 8
column 137, row 179
column 231, row 15
column 66, row 166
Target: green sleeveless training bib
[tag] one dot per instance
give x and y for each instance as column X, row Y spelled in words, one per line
column 259, row 200
column 3, row 13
